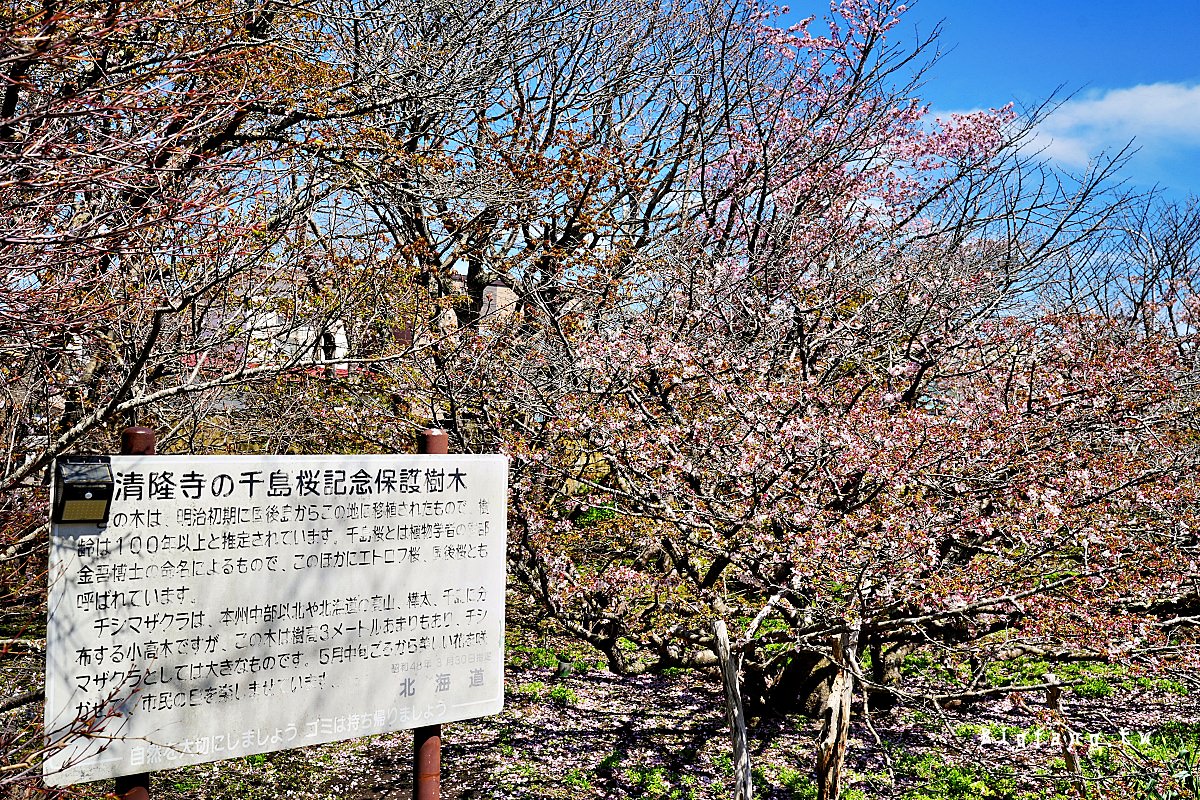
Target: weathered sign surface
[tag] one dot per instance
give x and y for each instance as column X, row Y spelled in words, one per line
column 244, row 604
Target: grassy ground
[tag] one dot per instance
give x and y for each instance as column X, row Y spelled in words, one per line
column 594, row 734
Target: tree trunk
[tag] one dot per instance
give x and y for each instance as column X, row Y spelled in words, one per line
column 798, row 686
column 831, row 747
column 743, row 784
column 1065, row 734
column 885, row 671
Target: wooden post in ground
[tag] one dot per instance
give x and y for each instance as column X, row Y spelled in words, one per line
column 743, row 780
column 835, row 731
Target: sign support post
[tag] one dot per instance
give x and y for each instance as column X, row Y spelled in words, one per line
column 427, row 739
column 135, row 441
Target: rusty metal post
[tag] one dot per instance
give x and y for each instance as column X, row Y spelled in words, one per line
column 427, row 740
column 427, row 763
column 135, row 441
column 133, row 787
column 433, row 442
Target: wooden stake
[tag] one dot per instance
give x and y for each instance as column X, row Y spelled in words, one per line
column 743, row 780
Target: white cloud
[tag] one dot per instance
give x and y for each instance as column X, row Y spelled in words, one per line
column 1162, row 119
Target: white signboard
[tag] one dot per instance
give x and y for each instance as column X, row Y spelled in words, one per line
column 244, row 604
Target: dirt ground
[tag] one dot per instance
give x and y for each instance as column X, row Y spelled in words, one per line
column 594, row 734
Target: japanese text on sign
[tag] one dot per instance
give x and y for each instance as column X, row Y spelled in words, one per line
column 243, row 604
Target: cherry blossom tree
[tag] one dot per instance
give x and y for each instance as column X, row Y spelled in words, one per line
column 770, row 346
column 840, row 403
column 175, row 224
column 542, row 185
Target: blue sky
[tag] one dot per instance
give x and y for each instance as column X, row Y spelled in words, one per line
column 1127, row 70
